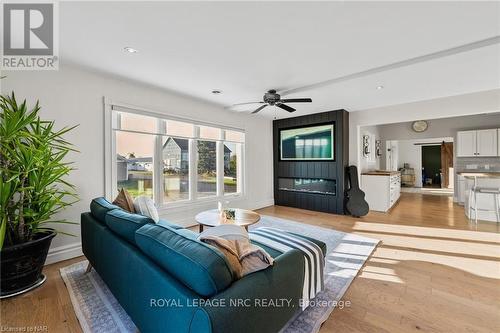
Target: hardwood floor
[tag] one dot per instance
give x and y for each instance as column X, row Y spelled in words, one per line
column 433, row 272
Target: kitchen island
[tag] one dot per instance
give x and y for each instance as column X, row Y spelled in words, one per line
column 382, row 188
column 483, row 178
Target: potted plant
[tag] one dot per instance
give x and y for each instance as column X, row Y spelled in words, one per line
column 32, row 189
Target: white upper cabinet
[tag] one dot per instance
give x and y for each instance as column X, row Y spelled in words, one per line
column 466, row 144
column 478, row 143
column 487, row 142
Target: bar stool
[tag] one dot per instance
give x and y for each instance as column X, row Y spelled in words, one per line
column 495, row 192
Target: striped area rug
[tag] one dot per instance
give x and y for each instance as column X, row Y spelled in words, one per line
column 98, row 311
column 283, row 241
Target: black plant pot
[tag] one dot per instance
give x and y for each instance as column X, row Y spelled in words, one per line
column 22, row 264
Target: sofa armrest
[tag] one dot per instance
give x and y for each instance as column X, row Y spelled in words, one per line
column 261, row 302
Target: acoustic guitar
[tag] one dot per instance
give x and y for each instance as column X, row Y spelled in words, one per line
column 356, row 204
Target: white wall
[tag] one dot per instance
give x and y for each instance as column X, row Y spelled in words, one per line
column 412, row 154
column 409, row 153
column 467, row 104
column 445, row 127
column 75, row 96
column 390, row 158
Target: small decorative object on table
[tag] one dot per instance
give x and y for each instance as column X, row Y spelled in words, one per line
column 221, row 208
column 237, row 216
column 230, row 214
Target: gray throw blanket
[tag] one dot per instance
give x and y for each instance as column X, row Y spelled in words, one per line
column 314, row 261
column 243, row 257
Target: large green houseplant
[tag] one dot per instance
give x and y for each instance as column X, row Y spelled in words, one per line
column 32, row 189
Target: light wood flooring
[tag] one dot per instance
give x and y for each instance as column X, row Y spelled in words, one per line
column 433, row 272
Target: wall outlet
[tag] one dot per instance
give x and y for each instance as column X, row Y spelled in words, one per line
column 486, row 167
column 471, row 166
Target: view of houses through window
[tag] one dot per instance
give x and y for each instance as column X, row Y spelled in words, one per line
column 175, row 158
column 207, row 168
column 134, row 162
column 231, row 157
column 158, row 165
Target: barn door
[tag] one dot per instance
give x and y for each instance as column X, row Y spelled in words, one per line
column 446, row 163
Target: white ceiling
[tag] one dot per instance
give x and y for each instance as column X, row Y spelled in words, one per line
column 246, row 48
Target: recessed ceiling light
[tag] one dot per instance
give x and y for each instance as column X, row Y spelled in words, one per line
column 216, row 91
column 130, row 50
column 380, row 87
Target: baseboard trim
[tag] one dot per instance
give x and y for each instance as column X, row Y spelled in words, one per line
column 263, row 204
column 64, row 252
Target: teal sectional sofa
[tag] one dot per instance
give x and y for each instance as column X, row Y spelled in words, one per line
column 168, row 281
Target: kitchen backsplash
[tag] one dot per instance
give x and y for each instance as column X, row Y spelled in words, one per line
column 477, row 164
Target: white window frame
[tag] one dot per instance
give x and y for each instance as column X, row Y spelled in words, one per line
column 110, row 156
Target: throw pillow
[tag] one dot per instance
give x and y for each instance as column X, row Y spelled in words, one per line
column 145, row 206
column 125, row 201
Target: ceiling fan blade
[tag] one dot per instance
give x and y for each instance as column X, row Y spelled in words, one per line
column 239, row 104
column 285, row 107
column 296, row 100
column 259, row 108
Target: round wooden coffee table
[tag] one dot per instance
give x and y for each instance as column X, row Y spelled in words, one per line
column 213, row 218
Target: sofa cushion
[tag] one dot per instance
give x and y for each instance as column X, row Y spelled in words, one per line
column 126, row 224
column 188, row 233
column 99, row 207
column 169, row 224
column 199, row 266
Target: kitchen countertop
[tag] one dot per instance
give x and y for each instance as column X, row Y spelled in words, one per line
column 479, row 174
column 380, row 173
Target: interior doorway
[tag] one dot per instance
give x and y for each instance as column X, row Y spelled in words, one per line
column 437, row 165
column 431, row 166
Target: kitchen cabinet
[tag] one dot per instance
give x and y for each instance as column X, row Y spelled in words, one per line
column 466, row 144
column 477, row 143
column 382, row 189
column 487, row 142
column 498, row 142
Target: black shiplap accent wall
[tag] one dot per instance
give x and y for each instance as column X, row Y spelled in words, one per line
column 314, row 169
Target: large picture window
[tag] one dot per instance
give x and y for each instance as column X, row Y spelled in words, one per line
column 207, row 168
column 232, row 160
column 134, row 163
column 174, row 161
column 175, row 158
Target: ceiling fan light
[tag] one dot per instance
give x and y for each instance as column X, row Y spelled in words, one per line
column 271, row 98
column 130, row 49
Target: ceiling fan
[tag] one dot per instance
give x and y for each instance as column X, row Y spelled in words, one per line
column 273, row 98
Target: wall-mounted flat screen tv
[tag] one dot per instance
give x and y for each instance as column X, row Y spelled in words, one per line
column 307, row 143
